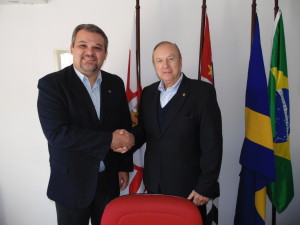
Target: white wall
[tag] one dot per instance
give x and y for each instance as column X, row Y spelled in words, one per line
column 30, row 33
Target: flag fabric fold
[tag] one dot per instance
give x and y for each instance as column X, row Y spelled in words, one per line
column 206, row 56
column 213, row 212
column 257, row 154
column 207, row 75
column 133, row 93
column 280, row 192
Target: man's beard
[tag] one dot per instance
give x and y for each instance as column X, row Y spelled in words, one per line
column 89, row 68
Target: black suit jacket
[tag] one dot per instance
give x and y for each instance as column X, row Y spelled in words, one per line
column 186, row 154
column 77, row 139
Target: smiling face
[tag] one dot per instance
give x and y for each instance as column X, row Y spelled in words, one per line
column 168, row 63
column 88, row 53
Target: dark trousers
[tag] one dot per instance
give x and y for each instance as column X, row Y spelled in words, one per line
column 66, row 216
column 201, row 208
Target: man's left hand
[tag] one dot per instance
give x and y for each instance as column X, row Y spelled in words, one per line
column 123, row 180
column 198, row 199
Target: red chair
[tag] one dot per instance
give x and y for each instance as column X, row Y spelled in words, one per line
column 150, row 209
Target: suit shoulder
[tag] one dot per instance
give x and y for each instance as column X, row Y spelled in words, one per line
column 151, row 87
column 58, row 76
column 199, row 84
column 109, row 77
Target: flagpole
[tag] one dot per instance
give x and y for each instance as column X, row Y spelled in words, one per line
column 276, row 8
column 201, row 36
column 253, row 13
column 138, row 62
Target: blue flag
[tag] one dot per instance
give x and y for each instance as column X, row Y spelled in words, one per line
column 257, row 155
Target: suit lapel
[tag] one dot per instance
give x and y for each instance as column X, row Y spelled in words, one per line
column 106, row 91
column 79, row 92
column 152, row 109
column 177, row 103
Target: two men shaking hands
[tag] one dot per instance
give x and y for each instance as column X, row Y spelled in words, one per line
column 122, row 141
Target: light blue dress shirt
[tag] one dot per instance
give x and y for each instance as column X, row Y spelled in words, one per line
column 94, row 93
column 167, row 94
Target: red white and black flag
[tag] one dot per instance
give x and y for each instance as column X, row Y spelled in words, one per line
column 207, row 74
column 133, row 93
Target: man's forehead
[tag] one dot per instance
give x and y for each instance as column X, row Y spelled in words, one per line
column 92, row 42
column 167, row 47
column 162, row 54
column 84, row 38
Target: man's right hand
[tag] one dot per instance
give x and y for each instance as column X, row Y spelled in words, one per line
column 122, row 141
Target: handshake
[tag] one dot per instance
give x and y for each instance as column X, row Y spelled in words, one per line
column 122, row 141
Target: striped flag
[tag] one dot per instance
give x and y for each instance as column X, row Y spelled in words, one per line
column 257, row 155
column 133, row 92
column 213, row 212
column 207, row 75
column 280, row 192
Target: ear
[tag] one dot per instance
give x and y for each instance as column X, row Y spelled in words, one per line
column 180, row 61
column 71, row 49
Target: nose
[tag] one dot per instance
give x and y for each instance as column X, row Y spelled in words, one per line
column 89, row 50
column 165, row 64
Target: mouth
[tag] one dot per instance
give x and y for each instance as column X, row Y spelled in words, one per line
column 89, row 60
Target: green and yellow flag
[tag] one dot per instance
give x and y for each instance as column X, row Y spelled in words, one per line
column 281, row 191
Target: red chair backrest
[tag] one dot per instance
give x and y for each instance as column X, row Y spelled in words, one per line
column 149, row 209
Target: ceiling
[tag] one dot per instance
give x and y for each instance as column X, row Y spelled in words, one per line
column 23, row 1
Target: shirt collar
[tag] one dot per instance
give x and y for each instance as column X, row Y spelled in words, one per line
column 173, row 88
column 83, row 78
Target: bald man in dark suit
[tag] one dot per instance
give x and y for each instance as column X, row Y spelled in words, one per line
column 180, row 120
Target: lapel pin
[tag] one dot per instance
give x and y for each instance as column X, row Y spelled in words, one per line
column 109, row 91
column 183, row 94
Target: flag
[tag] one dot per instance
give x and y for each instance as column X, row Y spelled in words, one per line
column 208, row 76
column 213, row 212
column 206, row 56
column 133, row 93
column 257, row 155
column 280, row 192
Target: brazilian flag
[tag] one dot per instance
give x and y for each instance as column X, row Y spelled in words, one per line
column 280, row 192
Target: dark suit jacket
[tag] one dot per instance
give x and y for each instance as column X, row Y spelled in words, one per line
column 77, row 139
column 186, row 154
